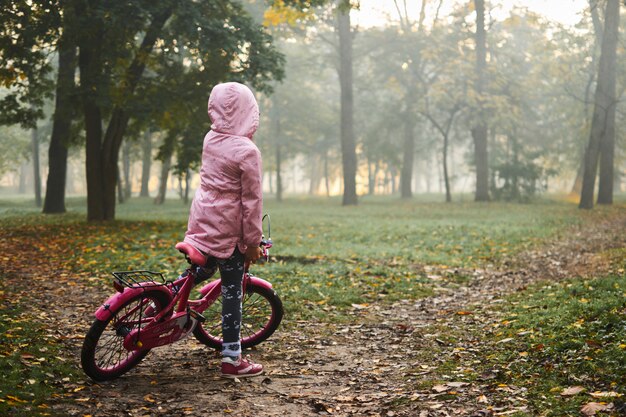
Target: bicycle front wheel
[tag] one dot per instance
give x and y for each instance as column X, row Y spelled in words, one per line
column 103, row 356
column 262, row 312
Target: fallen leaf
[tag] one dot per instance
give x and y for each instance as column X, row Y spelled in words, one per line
column 590, row 409
column 441, row 388
column 605, row 394
column 457, row 384
column 16, row 399
column 572, row 391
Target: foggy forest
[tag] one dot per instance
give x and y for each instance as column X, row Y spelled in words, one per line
column 438, row 228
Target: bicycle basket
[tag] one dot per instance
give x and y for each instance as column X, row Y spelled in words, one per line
column 140, row 279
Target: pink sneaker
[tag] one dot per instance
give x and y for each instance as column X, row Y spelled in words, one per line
column 240, row 368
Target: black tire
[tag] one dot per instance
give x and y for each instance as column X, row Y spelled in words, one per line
column 103, row 356
column 262, row 312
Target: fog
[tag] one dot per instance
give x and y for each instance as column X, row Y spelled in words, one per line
column 397, row 106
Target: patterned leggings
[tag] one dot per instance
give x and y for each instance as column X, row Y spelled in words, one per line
column 231, row 271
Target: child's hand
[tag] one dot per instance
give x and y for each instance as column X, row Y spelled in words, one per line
column 253, row 253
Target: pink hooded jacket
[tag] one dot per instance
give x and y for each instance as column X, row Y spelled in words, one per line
column 227, row 208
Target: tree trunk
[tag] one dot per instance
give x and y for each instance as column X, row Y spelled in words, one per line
column 275, row 117
column 479, row 131
column 126, row 165
column 597, row 29
column 602, row 136
column 446, row 177
column 187, row 186
column 62, row 120
column 348, row 146
column 121, row 197
column 165, row 172
column 146, row 164
column 36, row 168
column 90, row 65
column 606, row 185
column 103, row 152
column 408, row 158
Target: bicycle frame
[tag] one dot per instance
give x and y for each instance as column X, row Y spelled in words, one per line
column 179, row 318
column 148, row 311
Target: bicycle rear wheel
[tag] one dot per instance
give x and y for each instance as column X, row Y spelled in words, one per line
column 103, row 356
column 262, row 312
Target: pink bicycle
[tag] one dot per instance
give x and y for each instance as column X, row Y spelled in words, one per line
column 149, row 311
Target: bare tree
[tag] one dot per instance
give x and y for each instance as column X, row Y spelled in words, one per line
column 36, row 170
column 602, row 137
column 348, row 145
column 146, row 163
column 479, row 130
column 597, row 30
column 54, row 201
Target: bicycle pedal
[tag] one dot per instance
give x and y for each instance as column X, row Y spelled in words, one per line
column 197, row 316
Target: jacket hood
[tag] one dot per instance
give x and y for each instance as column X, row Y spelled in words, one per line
column 233, row 110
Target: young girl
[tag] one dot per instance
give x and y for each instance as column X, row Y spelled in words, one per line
column 225, row 216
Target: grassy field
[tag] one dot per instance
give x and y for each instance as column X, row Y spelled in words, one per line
column 566, row 335
column 327, row 258
column 324, row 254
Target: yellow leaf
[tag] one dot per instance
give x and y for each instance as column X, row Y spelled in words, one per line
column 16, row 399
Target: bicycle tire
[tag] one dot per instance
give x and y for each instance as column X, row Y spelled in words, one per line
column 262, row 312
column 103, row 343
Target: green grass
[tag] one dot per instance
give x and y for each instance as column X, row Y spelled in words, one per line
column 326, row 258
column 326, row 255
column 545, row 339
column 32, row 370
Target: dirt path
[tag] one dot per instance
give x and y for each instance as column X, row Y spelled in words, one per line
column 382, row 364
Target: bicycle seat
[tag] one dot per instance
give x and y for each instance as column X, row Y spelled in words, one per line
column 193, row 254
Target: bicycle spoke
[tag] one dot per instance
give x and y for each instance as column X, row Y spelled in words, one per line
column 110, row 351
column 257, row 319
